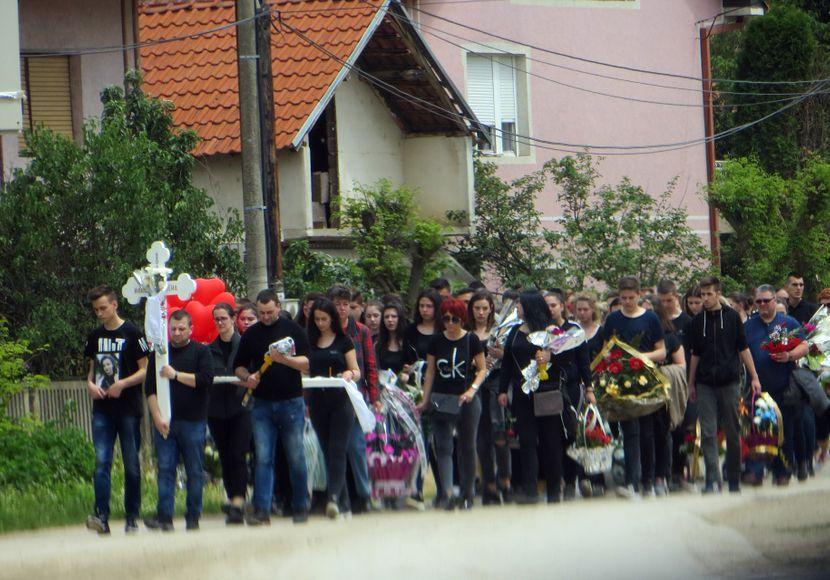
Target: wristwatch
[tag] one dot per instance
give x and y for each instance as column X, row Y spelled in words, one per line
column 474, row 387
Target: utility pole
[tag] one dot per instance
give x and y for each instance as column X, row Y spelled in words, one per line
column 256, row 259
column 270, row 176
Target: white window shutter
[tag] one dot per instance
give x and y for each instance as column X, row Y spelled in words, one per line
column 506, row 71
column 480, row 88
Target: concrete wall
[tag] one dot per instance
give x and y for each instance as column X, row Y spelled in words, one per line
column 75, row 24
column 369, row 143
column 441, row 168
column 649, row 34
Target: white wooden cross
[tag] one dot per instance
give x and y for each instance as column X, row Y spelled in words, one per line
column 152, row 282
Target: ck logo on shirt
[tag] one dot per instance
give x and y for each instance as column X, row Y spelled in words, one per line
column 451, row 369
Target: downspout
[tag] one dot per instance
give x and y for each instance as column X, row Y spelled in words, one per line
column 709, row 129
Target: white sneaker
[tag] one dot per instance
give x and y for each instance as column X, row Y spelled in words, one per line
column 628, row 492
column 332, row 511
column 660, row 490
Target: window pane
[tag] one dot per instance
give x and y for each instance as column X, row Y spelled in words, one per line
column 508, row 138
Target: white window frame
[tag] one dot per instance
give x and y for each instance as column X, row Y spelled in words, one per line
column 497, row 137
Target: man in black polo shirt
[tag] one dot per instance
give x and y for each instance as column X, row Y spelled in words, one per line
column 191, row 375
column 797, row 307
column 279, row 408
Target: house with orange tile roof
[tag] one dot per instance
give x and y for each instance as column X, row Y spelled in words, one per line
column 357, row 94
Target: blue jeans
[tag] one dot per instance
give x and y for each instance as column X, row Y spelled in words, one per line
column 272, row 420
column 104, row 430
column 356, row 452
column 188, row 439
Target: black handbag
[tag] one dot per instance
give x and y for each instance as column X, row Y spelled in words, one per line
column 445, row 404
column 548, row 403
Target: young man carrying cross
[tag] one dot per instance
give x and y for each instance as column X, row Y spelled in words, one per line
column 117, row 353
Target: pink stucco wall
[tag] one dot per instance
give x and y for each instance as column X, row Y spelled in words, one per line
column 650, row 34
column 47, row 25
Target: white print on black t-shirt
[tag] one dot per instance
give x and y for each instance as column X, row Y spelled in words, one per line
column 451, row 370
column 106, row 370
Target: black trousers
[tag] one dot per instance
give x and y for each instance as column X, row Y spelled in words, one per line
column 333, row 418
column 493, row 452
column 541, row 445
column 655, row 446
column 232, row 436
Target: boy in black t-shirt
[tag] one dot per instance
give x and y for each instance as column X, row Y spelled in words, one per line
column 641, row 329
column 117, row 353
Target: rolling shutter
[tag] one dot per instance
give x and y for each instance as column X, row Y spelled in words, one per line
column 480, row 88
column 49, row 100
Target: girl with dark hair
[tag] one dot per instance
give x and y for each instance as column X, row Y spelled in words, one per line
column 426, row 324
column 332, row 354
column 575, row 365
column 309, row 300
column 229, row 421
column 372, row 314
column 492, row 430
column 449, row 378
column 246, row 316
column 391, row 348
column 543, row 433
column 692, row 302
column 109, row 371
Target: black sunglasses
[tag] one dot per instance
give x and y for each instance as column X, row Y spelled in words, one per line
column 451, row 319
column 763, row 300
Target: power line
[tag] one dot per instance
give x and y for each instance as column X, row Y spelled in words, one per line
column 608, row 64
column 595, row 92
column 432, row 27
column 542, row 143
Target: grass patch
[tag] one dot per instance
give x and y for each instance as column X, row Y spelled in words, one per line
column 61, row 504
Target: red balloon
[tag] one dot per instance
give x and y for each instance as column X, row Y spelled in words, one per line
column 173, row 300
column 207, row 289
column 224, row 297
column 202, row 317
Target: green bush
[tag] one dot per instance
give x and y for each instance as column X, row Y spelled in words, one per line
column 33, row 453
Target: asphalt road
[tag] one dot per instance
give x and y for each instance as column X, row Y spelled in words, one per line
column 762, row 533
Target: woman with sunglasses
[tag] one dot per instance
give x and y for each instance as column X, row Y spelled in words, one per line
column 332, row 354
column 450, row 361
column 492, row 430
column 543, row 434
column 229, row 421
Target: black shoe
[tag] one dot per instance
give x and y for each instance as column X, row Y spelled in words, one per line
column 506, row 494
column 156, row 524
column 464, row 504
column 556, row 498
column 235, row 516
column 811, row 471
column 490, row 498
column 259, row 518
column 440, row 502
column 96, row 523
column 734, row 487
column 226, row 508
column 450, row 504
column 802, row 472
column 570, row 493
column 300, row 517
column 191, row 524
column 131, row 526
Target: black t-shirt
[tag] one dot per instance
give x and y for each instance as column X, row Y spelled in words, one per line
column 803, row 311
column 453, row 362
column 418, row 341
column 280, row 382
column 641, row 332
column 595, row 344
column 331, row 360
column 187, row 403
column 395, row 360
column 116, row 354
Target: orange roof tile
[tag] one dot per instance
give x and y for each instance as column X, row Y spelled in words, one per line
column 199, row 74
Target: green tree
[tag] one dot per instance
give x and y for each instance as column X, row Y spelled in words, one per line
column 310, row 271
column 396, row 249
column 82, row 215
column 14, row 369
column 778, row 47
column 780, row 224
column 607, row 232
column 507, row 234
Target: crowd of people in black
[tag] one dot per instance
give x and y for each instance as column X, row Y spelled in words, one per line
column 486, row 437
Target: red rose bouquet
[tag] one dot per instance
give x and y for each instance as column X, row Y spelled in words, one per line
column 627, row 384
column 593, row 448
column 782, row 340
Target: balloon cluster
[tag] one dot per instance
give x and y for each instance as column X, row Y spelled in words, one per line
column 209, row 292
